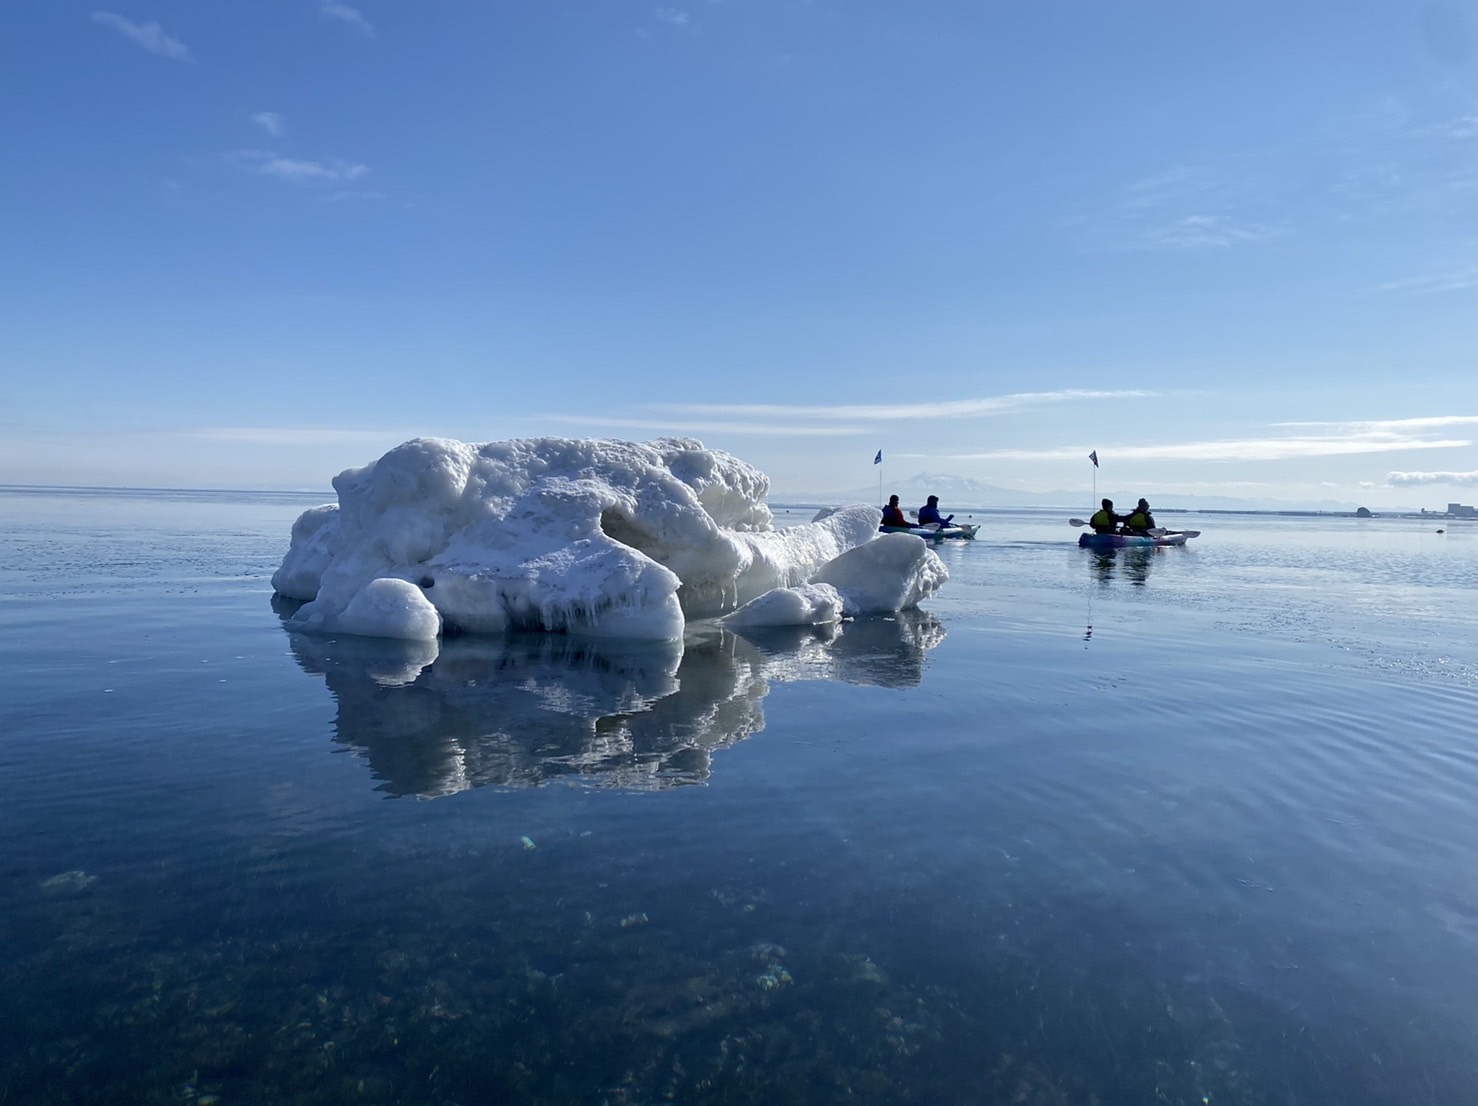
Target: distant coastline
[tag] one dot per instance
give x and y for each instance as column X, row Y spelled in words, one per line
column 1247, row 511
column 104, row 489
column 808, row 504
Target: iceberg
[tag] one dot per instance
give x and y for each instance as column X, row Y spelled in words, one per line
column 602, row 538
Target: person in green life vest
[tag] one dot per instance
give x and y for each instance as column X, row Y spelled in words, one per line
column 893, row 514
column 1104, row 521
column 1140, row 521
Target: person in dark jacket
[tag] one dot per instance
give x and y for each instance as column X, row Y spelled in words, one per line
column 1140, row 521
column 1104, row 521
column 893, row 514
column 929, row 513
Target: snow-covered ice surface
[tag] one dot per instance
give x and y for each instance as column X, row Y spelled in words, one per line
column 600, row 537
column 807, row 605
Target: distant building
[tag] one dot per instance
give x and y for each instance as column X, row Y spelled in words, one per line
column 1458, row 510
column 1362, row 512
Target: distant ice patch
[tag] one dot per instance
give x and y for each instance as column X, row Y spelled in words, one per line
column 599, row 537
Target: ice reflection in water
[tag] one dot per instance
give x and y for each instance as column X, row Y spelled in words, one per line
column 438, row 718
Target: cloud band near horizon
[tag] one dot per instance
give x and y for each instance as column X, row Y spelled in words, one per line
column 1346, row 438
column 959, row 408
column 1416, row 479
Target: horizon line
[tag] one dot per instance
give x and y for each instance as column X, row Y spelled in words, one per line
column 792, row 503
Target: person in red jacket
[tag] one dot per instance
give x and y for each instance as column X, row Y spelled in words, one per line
column 893, row 514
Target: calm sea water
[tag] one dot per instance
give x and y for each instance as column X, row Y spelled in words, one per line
column 1181, row 826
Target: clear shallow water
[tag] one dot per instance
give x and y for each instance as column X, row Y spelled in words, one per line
column 1179, row 825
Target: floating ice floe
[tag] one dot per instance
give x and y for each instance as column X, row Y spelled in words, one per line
column 597, row 537
column 807, row 605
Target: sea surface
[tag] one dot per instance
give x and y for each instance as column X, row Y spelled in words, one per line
column 1191, row 826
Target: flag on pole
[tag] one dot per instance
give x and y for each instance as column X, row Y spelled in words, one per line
column 878, row 460
column 1092, row 457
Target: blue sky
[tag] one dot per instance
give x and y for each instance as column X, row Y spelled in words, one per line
column 1230, row 247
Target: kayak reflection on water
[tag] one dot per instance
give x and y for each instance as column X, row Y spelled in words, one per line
column 1132, row 564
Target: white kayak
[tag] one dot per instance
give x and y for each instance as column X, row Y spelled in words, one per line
column 962, row 532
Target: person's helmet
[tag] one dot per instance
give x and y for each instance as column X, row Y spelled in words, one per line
column 1108, row 504
column 933, row 499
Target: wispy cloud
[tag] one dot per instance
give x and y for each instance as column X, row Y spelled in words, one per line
column 944, row 409
column 1185, row 207
column 1462, row 128
column 1176, row 186
column 311, row 172
column 334, row 9
column 1383, row 159
column 795, row 420
column 680, row 424
column 1389, row 162
column 1392, row 426
column 1412, row 479
column 1198, row 231
column 298, row 170
column 1340, row 439
column 673, row 17
column 1453, row 280
column 270, row 122
column 347, row 194
column 293, row 435
column 150, row 36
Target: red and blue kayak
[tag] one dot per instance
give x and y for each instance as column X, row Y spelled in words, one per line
column 1133, row 541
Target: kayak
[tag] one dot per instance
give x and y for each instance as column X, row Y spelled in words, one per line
column 962, row 532
column 1129, row 541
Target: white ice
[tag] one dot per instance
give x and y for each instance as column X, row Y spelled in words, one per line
column 608, row 538
column 807, row 605
column 893, row 572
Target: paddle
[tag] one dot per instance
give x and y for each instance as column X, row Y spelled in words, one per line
column 1076, row 522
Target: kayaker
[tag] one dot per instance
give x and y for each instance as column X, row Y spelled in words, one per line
column 1140, row 521
column 929, row 513
column 893, row 514
column 1104, row 521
